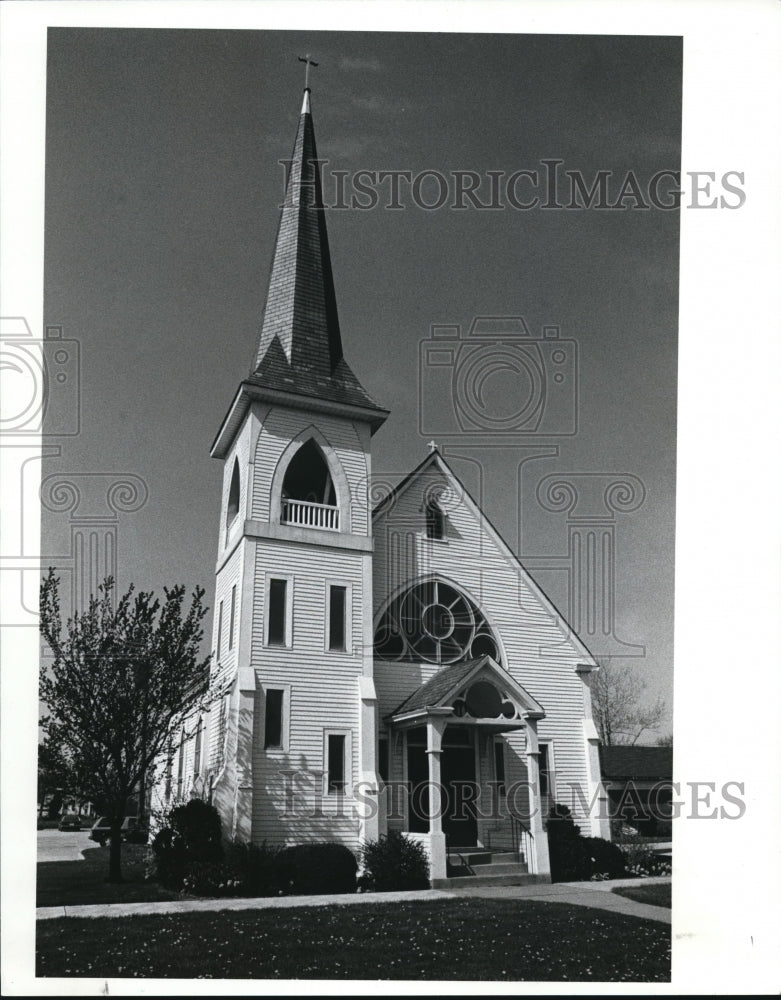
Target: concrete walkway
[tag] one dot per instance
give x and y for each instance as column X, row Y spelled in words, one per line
column 594, row 894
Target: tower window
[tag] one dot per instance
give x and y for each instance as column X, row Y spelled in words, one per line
column 233, row 494
column 277, row 613
column 435, row 520
column 273, row 726
column 198, row 748
column 383, row 761
column 337, row 608
column 336, row 762
column 233, row 617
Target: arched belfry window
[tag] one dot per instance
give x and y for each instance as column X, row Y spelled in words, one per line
column 308, row 494
column 434, row 622
column 233, row 494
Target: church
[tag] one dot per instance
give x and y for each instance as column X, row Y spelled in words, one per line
column 377, row 662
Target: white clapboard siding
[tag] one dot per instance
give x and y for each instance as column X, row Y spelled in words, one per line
column 538, row 651
column 323, row 691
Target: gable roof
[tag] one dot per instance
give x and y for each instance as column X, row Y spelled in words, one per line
column 436, row 459
column 636, row 762
column 446, row 682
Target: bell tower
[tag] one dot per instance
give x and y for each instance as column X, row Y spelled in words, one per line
column 292, row 744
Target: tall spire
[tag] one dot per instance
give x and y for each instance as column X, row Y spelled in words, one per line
column 300, row 349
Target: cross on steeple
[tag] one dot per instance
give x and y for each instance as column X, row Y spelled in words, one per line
column 309, row 62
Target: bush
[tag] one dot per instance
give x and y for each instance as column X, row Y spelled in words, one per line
column 574, row 858
column 606, row 858
column 191, row 834
column 211, row 878
column 255, row 868
column 316, row 868
column 394, row 862
column 643, row 863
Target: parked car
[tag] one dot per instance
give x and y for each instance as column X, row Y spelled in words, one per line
column 132, row 832
column 70, row 821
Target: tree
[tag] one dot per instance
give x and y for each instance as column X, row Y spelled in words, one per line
column 620, row 712
column 119, row 680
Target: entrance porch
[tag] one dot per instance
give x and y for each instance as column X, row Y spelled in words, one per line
column 470, row 819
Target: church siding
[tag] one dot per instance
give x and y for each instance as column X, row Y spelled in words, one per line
column 323, row 692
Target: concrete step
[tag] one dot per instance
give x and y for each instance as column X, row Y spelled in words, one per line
column 473, row 881
column 490, row 871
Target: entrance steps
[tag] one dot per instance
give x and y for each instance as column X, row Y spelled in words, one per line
column 476, row 866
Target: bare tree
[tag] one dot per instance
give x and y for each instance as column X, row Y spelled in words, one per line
column 621, row 712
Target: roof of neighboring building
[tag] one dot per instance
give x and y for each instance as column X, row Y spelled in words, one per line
column 636, row 762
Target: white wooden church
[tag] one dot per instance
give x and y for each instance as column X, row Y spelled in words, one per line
column 376, row 666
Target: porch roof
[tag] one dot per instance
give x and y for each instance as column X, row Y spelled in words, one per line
column 435, row 695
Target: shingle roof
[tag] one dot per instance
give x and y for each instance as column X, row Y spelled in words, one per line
column 436, row 687
column 636, row 762
column 300, row 349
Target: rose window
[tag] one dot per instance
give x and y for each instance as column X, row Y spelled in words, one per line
column 434, row 622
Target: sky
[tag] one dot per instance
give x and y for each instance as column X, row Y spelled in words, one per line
column 163, row 182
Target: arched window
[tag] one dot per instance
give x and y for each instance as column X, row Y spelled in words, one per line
column 308, row 493
column 435, row 520
column 233, row 494
column 434, row 622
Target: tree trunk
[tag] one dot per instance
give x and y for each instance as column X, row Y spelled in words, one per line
column 115, row 852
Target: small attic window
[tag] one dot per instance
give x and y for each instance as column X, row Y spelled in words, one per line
column 435, row 520
column 233, row 494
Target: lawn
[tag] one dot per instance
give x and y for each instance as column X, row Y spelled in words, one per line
column 70, row 883
column 658, row 894
column 457, row 939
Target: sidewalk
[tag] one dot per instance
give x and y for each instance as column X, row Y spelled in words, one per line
column 594, row 894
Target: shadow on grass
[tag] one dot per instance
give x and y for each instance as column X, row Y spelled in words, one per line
column 72, row 883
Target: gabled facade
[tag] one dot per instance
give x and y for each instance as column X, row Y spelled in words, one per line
column 369, row 666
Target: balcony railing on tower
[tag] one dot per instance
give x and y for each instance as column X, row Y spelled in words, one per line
column 310, row 515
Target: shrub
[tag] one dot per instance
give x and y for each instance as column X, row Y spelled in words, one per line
column 211, row 878
column 394, row 862
column 316, row 868
column 642, row 862
column 569, row 859
column 256, row 868
column 191, row 834
column 606, row 858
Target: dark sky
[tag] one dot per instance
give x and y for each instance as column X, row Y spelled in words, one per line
column 162, row 191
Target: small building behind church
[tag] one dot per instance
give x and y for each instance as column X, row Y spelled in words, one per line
column 382, row 662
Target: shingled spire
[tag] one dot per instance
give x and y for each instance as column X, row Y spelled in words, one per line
column 300, row 348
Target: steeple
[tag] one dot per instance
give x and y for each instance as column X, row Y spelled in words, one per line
column 300, row 349
column 299, row 361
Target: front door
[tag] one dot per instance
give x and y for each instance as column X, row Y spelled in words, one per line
column 459, row 822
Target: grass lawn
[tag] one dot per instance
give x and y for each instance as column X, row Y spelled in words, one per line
column 659, row 894
column 458, row 939
column 69, row 883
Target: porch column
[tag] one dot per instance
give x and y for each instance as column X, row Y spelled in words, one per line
column 542, row 858
column 435, row 727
